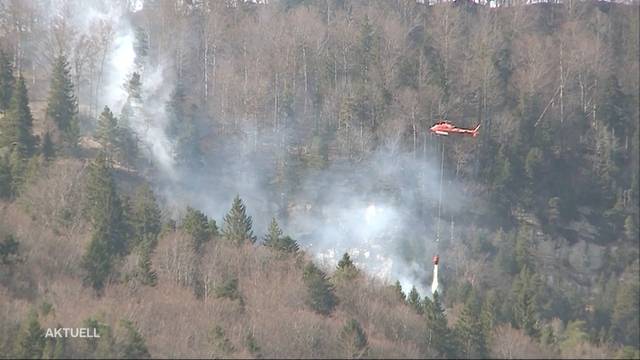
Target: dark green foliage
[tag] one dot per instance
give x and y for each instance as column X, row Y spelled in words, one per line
column 98, row 260
column 145, row 218
column 9, row 253
column 47, row 150
column 274, row 239
column 17, row 126
column 320, row 295
column 108, row 239
column 274, row 234
column 413, row 299
column 547, row 337
column 5, row 178
column 126, row 141
column 438, row 337
column 229, row 289
column 30, row 341
column 6, row 81
column 397, row 288
column 176, row 110
column 132, row 346
column 107, row 131
column 237, row 224
column 574, row 334
column 353, row 340
column 221, row 344
column 533, row 164
column 525, row 302
column 182, row 128
column 101, row 347
column 489, row 313
column 346, row 270
column 196, row 224
column 145, row 272
column 522, row 252
column 62, row 106
column 506, row 257
column 145, row 224
column 252, row 345
column 625, row 319
column 469, row 330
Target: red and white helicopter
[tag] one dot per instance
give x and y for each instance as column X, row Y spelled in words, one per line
column 447, row 128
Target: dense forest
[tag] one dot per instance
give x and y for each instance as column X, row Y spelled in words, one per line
column 204, row 178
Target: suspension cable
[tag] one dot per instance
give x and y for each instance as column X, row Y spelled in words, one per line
column 440, row 194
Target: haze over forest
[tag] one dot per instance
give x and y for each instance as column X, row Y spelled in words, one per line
column 229, row 179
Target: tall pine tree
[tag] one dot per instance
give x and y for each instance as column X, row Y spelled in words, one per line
column 346, row 269
column 525, row 302
column 146, row 217
column 274, row 239
column 7, row 81
column 320, row 296
column 439, row 337
column 413, row 299
column 108, row 239
column 107, row 131
column 469, row 330
column 62, row 106
column 16, row 127
column 237, row 224
column 201, row 229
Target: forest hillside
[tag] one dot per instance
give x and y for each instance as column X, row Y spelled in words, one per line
column 234, row 179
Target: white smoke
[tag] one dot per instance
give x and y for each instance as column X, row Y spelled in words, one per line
column 378, row 210
column 120, row 66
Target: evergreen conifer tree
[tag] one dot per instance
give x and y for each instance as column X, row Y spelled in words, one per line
column 30, row 341
column 398, row 290
column 146, row 273
column 107, row 131
column 353, row 340
column 252, row 345
column 16, row 127
column 346, row 268
column 146, row 217
column 413, row 299
column 237, row 224
column 196, row 224
column 176, row 110
column 62, row 106
column 99, row 347
column 274, row 234
column 48, row 150
column 320, row 296
column 133, row 345
column 469, row 330
column 274, row 239
column 7, row 81
column 222, row 345
column 625, row 319
column 5, row 178
column 108, row 240
column 439, row 336
column 525, row 310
